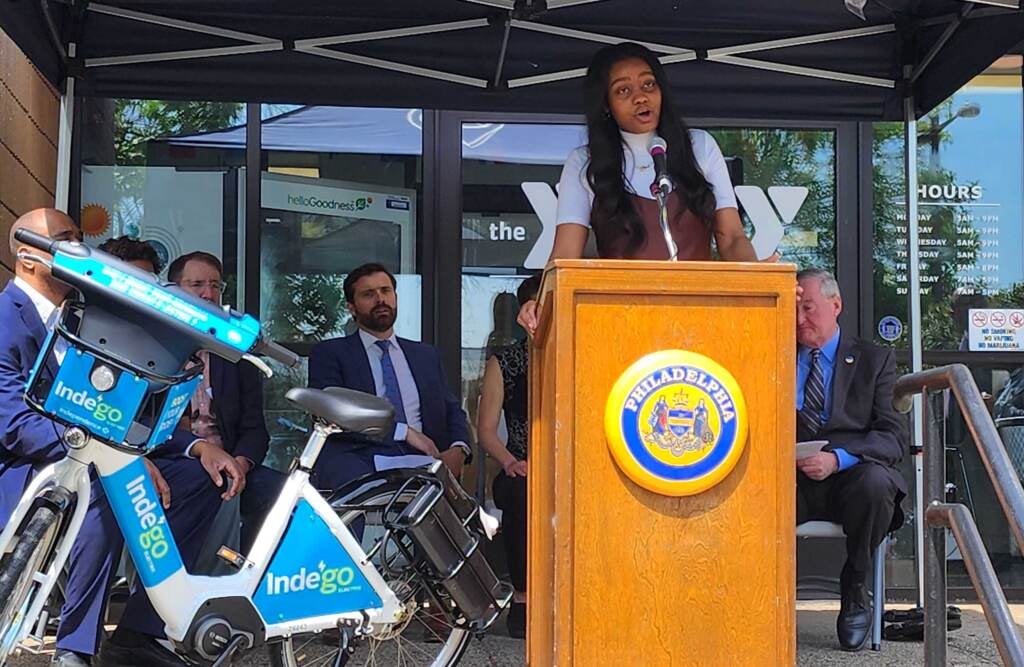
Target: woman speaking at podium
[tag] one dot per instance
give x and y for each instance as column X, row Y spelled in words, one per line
column 606, row 186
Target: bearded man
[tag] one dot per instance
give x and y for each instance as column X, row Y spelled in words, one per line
column 428, row 418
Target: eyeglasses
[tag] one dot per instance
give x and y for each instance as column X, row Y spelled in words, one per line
column 200, row 285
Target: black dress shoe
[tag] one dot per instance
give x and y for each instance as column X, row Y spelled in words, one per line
column 854, row 623
column 132, row 649
column 64, row 658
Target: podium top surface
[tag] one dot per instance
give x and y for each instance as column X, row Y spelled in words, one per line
column 643, row 265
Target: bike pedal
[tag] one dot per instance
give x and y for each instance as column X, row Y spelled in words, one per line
column 231, row 557
column 233, row 646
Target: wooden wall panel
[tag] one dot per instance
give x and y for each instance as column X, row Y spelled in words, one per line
column 29, row 110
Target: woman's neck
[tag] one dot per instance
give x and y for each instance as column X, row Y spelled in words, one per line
column 637, row 142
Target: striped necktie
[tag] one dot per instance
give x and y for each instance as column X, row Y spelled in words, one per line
column 814, row 395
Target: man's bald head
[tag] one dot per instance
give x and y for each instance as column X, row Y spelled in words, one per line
column 48, row 222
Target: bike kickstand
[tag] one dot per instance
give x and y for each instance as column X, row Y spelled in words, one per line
column 345, row 647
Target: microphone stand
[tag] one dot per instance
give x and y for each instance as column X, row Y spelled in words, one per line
column 660, row 192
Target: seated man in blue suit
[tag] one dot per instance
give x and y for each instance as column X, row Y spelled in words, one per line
column 29, row 442
column 227, row 408
column 429, row 419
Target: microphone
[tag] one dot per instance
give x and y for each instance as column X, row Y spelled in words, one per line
column 660, row 189
column 659, row 152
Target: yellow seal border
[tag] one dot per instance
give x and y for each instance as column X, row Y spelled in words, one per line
column 619, row 442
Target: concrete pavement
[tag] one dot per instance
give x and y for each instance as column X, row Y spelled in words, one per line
column 970, row 646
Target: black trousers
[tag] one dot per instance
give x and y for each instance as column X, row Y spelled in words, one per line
column 510, row 497
column 862, row 499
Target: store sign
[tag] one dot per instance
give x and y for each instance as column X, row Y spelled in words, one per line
column 304, row 196
column 995, row 330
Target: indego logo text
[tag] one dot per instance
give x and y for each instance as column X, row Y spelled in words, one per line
column 152, row 538
column 100, row 410
column 325, row 579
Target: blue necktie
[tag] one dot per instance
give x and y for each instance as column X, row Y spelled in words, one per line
column 392, row 391
column 814, row 395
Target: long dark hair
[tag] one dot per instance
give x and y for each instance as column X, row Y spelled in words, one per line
column 617, row 217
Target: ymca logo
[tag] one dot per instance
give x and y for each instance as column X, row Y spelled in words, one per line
column 768, row 220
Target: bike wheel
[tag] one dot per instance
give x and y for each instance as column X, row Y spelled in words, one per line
column 429, row 636
column 19, row 568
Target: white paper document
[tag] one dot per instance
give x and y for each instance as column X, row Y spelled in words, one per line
column 809, row 448
column 406, row 461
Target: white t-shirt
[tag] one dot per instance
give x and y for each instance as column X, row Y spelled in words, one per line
column 575, row 197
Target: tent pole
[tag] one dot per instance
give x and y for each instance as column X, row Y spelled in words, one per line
column 914, row 299
column 65, row 128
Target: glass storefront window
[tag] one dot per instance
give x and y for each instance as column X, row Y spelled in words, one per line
column 137, row 181
column 341, row 187
column 971, row 219
column 785, row 181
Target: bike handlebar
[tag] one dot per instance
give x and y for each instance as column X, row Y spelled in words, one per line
column 278, row 353
column 103, row 278
column 37, row 241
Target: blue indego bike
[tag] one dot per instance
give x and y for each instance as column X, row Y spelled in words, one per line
column 388, row 570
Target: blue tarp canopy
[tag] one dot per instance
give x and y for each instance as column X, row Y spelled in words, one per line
column 393, row 132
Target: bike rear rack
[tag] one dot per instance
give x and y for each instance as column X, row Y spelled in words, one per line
column 940, row 516
column 441, row 520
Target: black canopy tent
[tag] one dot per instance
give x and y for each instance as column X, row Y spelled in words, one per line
column 780, row 59
column 792, row 59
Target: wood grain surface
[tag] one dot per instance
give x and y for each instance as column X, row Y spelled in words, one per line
column 623, row 576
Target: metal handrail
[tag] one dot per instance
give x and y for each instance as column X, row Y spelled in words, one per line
column 939, row 515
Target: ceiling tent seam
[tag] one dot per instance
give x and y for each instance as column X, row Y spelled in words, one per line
column 430, row 29
column 806, row 71
column 190, row 26
column 594, row 36
column 394, row 67
column 190, row 54
column 803, row 40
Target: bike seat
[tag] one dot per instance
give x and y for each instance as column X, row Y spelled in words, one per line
column 350, row 410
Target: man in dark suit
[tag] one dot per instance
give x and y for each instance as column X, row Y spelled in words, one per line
column 29, row 441
column 228, row 406
column 844, row 395
column 429, row 419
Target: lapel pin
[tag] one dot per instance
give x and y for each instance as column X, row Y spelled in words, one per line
column 849, row 359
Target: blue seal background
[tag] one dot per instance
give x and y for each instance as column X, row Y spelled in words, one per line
column 686, row 473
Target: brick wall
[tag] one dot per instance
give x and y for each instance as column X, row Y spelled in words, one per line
column 29, row 109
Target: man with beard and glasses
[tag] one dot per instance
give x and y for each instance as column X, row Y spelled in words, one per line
column 428, row 418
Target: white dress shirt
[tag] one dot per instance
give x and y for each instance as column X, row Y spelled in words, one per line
column 406, row 382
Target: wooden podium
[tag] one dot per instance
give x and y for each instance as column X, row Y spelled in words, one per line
column 623, row 576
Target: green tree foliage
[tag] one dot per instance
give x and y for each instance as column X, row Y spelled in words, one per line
column 139, row 121
column 805, row 158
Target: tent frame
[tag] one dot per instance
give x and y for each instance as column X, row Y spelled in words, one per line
column 735, row 55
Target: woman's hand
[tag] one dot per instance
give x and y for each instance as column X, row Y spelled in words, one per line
column 774, row 258
column 528, row 317
column 515, row 468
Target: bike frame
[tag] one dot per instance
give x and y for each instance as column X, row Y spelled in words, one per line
column 178, row 596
